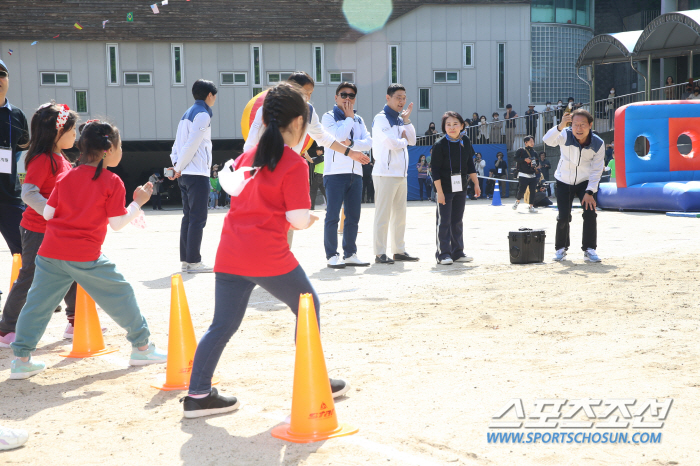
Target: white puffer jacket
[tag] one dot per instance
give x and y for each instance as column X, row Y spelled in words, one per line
column 577, row 163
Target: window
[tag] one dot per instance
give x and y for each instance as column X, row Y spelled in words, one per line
column 229, row 78
column 337, row 77
column 112, row 65
column 256, row 60
column 176, row 50
column 501, row 75
column 394, row 63
column 318, row 63
column 468, row 55
column 257, row 90
column 277, row 77
column 424, row 98
column 561, row 11
column 55, row 79
column 81, row 105
column 137, row 79
column 449, row 77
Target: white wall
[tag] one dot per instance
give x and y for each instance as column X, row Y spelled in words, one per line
column 430, row 38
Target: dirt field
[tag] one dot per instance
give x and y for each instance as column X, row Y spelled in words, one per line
column 432, row 352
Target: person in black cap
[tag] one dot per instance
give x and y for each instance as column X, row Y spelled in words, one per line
column 510, row 117
column 14, row 133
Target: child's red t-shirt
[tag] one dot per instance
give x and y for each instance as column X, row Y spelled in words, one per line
column 254, row 237
column 39, row 174
column 83, row 209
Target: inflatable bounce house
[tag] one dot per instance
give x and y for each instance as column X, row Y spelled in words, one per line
column 664, row 179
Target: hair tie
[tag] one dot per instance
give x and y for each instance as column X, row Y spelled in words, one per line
column 91, row 121
column 63, row 114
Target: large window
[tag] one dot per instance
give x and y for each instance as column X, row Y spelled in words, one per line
column 424, row 98
column 394, row 63
column 55, row 79
column 318, row 63
column 501, row 75
column 112, row 65
column 561, row 11
column 176, row 50
column 81, row 104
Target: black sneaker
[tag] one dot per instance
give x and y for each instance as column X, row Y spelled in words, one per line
column 212, row 404
column 405, row 257
column 383, row 259
column 339, row 387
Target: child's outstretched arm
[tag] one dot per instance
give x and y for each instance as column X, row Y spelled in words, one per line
column 141, row 195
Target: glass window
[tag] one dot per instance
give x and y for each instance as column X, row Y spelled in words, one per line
column 257, row 90
column 143, row 79
column 177, row 64
column 81, row 105
column 542, row 11
column 468, row 56
column 501, row 75
column 257, row 79
column 55, row 79
column 582, row 12
column 131, row 78
column 424, row 99
column 440, row 77
column 48, row 78
column 565, row 11
column 318, row 63
column 278, row 76
column 394, row 63
column 230, row 78
column 62, row 78
column 337, row 77
column 446, row 77
column 112, row 65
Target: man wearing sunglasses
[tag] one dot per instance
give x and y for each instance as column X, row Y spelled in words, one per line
column 342, row 177
column 14, row 132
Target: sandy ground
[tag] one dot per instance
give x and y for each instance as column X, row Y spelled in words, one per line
column 432, row 352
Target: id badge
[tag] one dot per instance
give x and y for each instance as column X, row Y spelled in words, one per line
column 457, row 183
column 500, row 170
column 5, row 160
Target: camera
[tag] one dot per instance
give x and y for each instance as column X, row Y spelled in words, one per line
column 168, row 172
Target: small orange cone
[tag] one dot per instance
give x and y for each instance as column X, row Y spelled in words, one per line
column 313, row 410
column 16, row 265
column 181, row 341
column 87, row 331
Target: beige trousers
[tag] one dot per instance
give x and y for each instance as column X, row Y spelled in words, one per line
column 390, row 196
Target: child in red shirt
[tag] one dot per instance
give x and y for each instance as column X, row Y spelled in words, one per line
column 84, row 201
column 53, row 131
column 272, row 195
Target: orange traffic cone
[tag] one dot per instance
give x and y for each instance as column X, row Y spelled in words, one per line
column 313, row 410
column 181, row 341
column 16, row 265
column 87, row 331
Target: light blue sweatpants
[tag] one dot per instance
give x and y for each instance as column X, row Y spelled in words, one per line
column 100, row 279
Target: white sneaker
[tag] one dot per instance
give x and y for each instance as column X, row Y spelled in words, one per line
column 532, row 210
column 446, row 261
column 590, row 255
column 355, row 261
column 464, row 258
column 336, row 262
column 199, row 267
column 184, row 266
column 515, row 206
column 560, row 255
column 12, row 438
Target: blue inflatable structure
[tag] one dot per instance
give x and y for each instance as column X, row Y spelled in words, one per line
column 664, row 179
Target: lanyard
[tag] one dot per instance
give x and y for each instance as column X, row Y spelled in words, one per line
column 449, row 156
column 9, row 124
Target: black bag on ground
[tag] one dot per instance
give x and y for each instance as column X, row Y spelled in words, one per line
column 526, row 246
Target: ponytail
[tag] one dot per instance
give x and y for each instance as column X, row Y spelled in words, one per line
column 96, row 138
column 283, row 103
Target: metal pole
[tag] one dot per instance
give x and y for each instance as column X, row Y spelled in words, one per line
column 690, row 65
column 639, row 73
column 647, row 81
column 593, row 92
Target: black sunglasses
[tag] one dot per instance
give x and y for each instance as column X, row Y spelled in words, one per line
column 345, row 95
column 3, row 74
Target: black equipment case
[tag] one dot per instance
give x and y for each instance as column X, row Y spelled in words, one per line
column 526, row 246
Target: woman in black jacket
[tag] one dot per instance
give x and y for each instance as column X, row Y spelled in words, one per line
column 451, row 163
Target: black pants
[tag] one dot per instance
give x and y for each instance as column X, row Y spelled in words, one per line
column 423, row 184
column 523, row 184
column 565, row 197
column 195, row 197
column 31, row 241
column 316, row 184
column 368, row 190
column 450, row 226
column 156, row 201
column 10, row 216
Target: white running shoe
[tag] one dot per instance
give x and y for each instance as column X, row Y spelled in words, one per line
column 532, row 210
column 336, row 262
column 445, row 261
column 355, row 261
column 515, row 206
column 12, row 438
column 199, row 267
column 464, row 258
column 560, row 255
column 590, row 255
column 184, row 266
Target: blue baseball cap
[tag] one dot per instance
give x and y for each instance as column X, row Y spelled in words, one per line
column 2, row 63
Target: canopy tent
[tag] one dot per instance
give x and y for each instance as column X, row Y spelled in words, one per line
column 609, row 48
